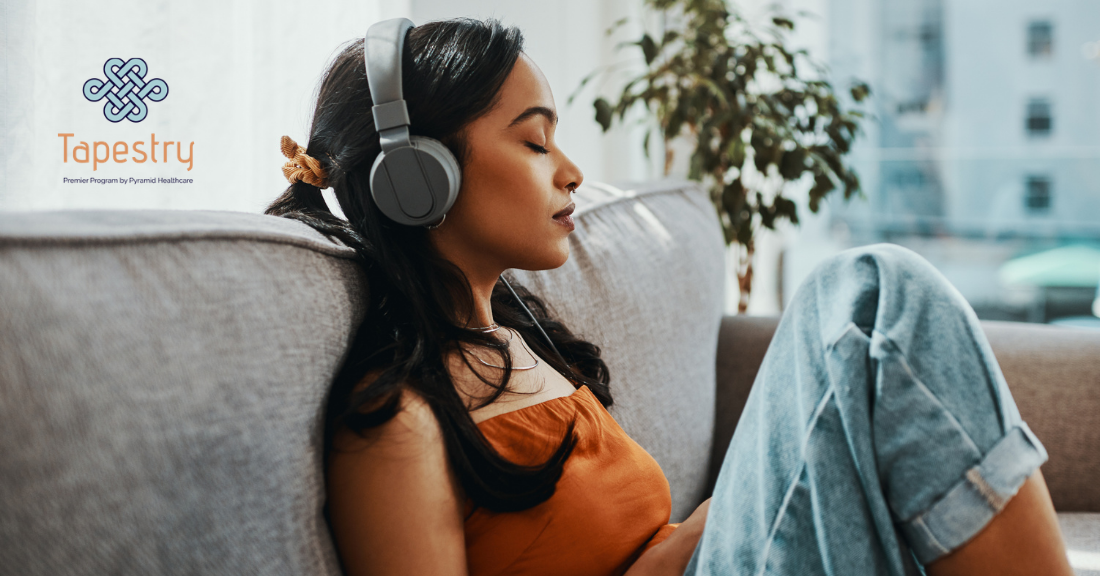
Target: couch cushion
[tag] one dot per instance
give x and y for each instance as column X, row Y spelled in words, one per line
column 162, row 377
column 645, row 281
column 1081, row 531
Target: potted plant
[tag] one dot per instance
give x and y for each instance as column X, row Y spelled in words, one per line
column 760, row 115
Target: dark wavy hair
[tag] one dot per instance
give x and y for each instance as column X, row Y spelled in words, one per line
column 452, row 72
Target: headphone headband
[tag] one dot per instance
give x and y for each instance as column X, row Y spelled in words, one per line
column 415, row 179
column 383, row 46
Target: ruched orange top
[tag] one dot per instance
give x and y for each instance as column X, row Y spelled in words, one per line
column 611, row 504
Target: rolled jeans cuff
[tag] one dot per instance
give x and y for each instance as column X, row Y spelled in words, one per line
column 975, row 499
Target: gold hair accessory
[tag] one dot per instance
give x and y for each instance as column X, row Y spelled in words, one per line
column 302, row 166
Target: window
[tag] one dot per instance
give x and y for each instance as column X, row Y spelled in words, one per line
column 1040, row 38
column 913, row 107
column 1037, row 194
column 1039, row 121
column 911, row 178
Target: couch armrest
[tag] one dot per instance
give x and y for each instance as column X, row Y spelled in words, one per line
column 1053, row 373
column 742, row 342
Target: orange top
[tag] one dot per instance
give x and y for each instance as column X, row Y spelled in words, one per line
column 611, row 504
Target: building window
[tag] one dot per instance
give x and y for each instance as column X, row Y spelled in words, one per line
column 913, row 107
column 1039, row 121
column 1040, row 38
column 1037, row 194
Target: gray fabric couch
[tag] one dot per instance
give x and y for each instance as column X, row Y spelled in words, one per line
column 163, row 374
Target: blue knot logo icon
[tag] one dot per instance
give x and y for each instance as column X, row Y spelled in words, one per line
column 125, row 90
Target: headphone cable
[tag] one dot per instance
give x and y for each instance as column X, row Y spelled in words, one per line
column 537, row 325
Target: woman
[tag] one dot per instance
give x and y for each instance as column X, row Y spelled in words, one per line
column 879, row 435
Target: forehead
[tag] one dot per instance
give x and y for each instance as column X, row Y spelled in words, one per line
column 525, row 97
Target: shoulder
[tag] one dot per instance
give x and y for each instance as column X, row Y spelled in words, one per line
column 395, row 504
column 414, row 422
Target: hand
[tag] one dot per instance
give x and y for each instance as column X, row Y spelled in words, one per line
column 694, row 525
column 670, row 558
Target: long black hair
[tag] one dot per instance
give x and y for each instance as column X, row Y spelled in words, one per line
column 452, row 72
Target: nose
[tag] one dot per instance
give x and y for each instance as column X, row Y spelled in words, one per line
column 571, row 173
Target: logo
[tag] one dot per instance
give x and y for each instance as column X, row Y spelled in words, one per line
column 125, row 90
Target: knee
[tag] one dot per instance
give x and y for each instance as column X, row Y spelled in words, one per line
column 883, row 282
column 885, row 254
column 891, row 267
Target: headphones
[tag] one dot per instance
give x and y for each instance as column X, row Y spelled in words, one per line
column 415, row 179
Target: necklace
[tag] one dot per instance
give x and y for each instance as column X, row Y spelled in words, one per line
column 493, row 328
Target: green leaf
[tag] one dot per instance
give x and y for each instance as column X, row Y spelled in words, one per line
column 793, row 163
column 787, row 208
column 584, row 81
column 765, row 149
column 733, row 198
column 695, row 167
column 611, row 29
column 603, row 113
column 860, row 90
column 767, row 213
column 729, row 233
column 783, row 22
column 822, row 185
column 649, row 48
column 736, row 152
column 744, row 231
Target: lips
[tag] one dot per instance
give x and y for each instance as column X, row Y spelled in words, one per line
column 566, row 211
column 564, row 217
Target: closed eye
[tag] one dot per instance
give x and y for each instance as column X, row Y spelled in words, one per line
column 538, row 148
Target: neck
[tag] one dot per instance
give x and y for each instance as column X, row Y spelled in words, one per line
column 481, row 275
column 482, row 288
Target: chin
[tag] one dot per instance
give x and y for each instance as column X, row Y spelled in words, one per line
column 563, row 254
column 555, row 257
column 562, row 261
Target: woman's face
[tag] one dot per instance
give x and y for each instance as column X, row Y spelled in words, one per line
column 514, row 181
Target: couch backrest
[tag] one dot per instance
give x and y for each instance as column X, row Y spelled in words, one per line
column 162, row 376
column 163, row 373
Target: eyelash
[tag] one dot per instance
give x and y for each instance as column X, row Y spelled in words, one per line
column 538, row 148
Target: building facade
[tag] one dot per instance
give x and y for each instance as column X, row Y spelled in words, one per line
column 986, row 139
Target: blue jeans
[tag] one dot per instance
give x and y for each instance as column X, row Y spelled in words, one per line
column 879, row 434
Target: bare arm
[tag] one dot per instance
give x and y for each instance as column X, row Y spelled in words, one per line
column 394, row 503
column 669, row 558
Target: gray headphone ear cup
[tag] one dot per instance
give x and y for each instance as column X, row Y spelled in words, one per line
column 448, row 162
column 416, row 185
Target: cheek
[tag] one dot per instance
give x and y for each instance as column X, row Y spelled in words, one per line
column 502, row 210
column 508, row 190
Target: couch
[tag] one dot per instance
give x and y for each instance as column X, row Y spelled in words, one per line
column 163, row 376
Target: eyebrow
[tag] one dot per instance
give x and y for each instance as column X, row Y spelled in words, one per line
column 536, row 111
